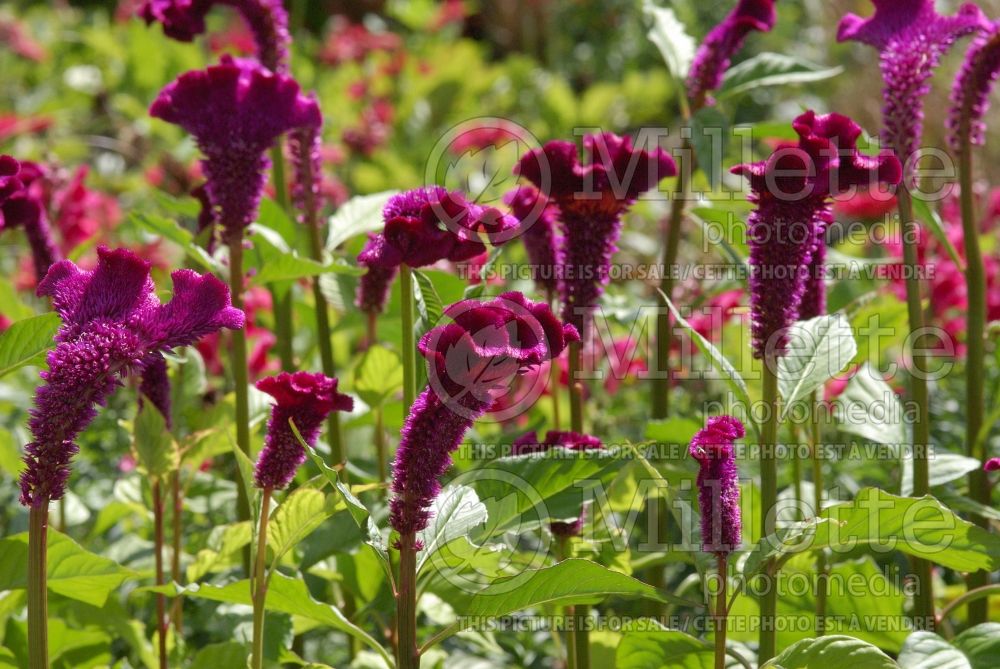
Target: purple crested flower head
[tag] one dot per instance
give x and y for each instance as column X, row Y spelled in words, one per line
column 305, row 399
column 537, row 216
column 592, row 195
column 267, row 19
column 970, row 95
column 21, row 206
column 235, row 110
column 792, row 191
column 427, row 225
column 721, row 44
column 573, row 441
column 375, row 285
column 112, row 322
column 471, row 363
column 155, row 385
column 718, row 484
column 912, row 37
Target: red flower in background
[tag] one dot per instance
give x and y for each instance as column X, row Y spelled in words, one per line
column 16, row 38
column 261, row 340
column 352, row 42
column 12, row 125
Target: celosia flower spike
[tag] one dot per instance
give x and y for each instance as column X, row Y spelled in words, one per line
column 112, row 322
column 912, row 37
column 155, row 385
column 305, row 399
column 970, row 96
column 537, row 218
column 471, row 363
column 721, row 44
column 718, row 484
column 21, row 207
column 235, row 110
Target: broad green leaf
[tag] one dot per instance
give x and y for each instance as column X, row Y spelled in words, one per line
column 271, row 215
column 378, row 376
column 832, row 652
column 304, row 510
column 927, row 650
column 428, row 302
column 980, row 644
column 156, row 452
column 223, row 543
column 879, row 322
column 72, row 571
column 25, row 342
column 10, row 454
column 918, row 526
column 674, row 430
column 663, row 648
column 922, row 211
column 172, row 231
column 669, row 35
column 454, row 513
column 714, row 356
column 290, row 267
column 360, row 214
column 945, row 468
column 225, row 655
column 772, row 69
column 12, row 305
column 818, row 350
column 869, row 408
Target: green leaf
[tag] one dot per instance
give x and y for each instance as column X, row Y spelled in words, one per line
column 378, row 376
column 13, row 305
column 225, row 655
column 156, row 452
column 172, row 231
column 832, row 652
column 947, row 467
column 818, row 350
column 663, row 648
column 454, row 513
column 674, row 430
column 709, row 137
column 25, row 342
column 304, row 510
column 72, row 571
column 869, row 408
column 772, row 69
column 429, row 305
column 926, row 650
column 918, row 526
column 980, row 644
column 714, row 356
column 360, row 214
column 245, row 467
column 291, row 267
column 922, row 211
column 223, row 543
column 670, row 36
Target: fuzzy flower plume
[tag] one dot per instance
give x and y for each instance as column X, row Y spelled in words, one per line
column 375, row 285
column 792, row 190
column 721, row 44
column 112, row 322
column 305, row 399
column 911, row 37
column 22, row 205
column 718, row 485
column 592, row 196
column 537, row 218
column 970, row 96
column 573, row 441
column 267, row 19
column 305, row 146
column 472, row 363
column 155, row 385
column 235, row 110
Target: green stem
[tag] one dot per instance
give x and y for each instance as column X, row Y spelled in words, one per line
column 575, row 387
column 161, row 599
column 720, row 614
column 664, row 326
column 177, row 609
column 923, row 602
column 975, row 367
column 967, row 597
column 561, row 553
column 38, row 616
column 380, row 450
column 238, row 360
column 282, row 304
column 409, row 346
column 406, row 605
column 817, row 475
column 769, row 499
column 581, row 636
column 259, row 583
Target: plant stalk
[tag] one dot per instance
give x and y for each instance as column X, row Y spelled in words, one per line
column 177, row 608
column 923, row 600
column 409, row 346
column 238, row 361
column 282, row 304
column 406, row 605
column 817, row 476
column 575, row 387
column 380, row 450
column 581, row 635
column 161, row 599
column 720, row 614
column 769, row 499
column 259, row 583
column 975, row 366
column 38, row 616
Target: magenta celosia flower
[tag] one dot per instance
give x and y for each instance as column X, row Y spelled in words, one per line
column 471, row 363
column 9, row 183
column 155, row 385
column 911, row 37
column 718, row 484
column 305, row 399
column 992, row 465
column 112, row 321
column 267, row 20
column 235, row 110
column 592, row 196
column 813, row 301
column 721, row 44
column 573, row 441
column 970, row 95
column 537, row 218
column 374, row 285
column 792, row 191
column 304, row 146
column 21, row 206
column 427, row 225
